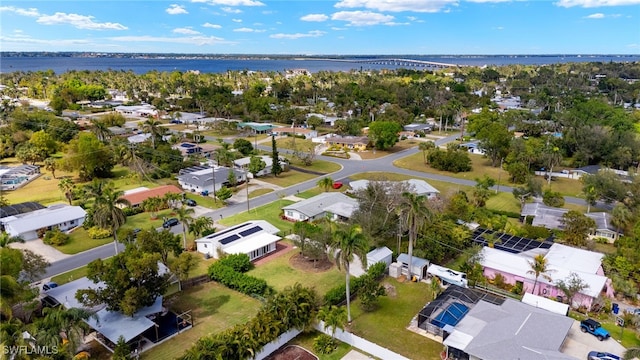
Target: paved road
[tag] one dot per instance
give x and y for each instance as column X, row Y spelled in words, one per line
column 349, row 168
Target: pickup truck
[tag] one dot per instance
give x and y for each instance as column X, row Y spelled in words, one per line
column 594, row 328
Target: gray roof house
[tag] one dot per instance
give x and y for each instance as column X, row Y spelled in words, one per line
column 333, row 204
column 61, row 216
column 551, row 218
column 513, row 330
column 418, row 187
column 202, row 179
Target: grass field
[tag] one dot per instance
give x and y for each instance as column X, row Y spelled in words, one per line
column 279, row 274
column 70, row 276
column 259, row 192
column 288, row 178
column 270, row 212
column 387, row 325
column 305, row 340
column 215, row 308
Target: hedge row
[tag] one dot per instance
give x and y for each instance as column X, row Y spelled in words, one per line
column 227, row 271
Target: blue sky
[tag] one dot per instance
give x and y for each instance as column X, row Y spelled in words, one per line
column 323, row 27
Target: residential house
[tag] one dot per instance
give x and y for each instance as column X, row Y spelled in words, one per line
column 413, row 130
column 255, row 238
column 188, row 118
column 137, row 196
column 357, row 143
column 327, row 120
column 20, row 208
column 12, row 178
column 508, row 330
column 257, row 128
column 268, row 160
column 334, row 205
column 26, row 225
column 187, row 148
column 294, row 131
column 144, row 110
column 473, row 147
column 203, row 180
column 551, row 218
column 561, row 260
column 415, row 186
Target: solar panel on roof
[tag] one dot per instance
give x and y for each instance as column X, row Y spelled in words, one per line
column 507, row 242
column 229, row 239
column 226, row 231
column 250, row 231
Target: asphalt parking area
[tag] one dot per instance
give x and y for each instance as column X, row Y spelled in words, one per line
column 578, row 344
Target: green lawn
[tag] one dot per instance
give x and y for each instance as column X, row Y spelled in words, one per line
column 279, row 274
column 215, row 308
column 305, row 340
column 321, row 166
column 270, row 212
column 288, row 178
column 387, row 325
column 70, row 276
column 292, row 143
column 259, row 192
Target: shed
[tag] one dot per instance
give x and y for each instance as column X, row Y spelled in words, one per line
column 545, row 303
column 418, row 265
column 382, row 254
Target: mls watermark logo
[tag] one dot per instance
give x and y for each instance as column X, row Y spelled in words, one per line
column 30, row 350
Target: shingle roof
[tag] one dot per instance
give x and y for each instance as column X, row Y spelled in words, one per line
column 318, row 204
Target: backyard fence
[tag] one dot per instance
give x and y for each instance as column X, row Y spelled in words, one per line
column 189, row 283
column 360, row 343
column 277, row 343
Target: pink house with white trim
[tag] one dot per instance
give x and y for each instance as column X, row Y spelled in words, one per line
column 562, row 260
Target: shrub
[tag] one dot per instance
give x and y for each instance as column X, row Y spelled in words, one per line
column 324, row 344
column 377, row 270
column 499, row 281
column 238, row 262
column 208, row 232
column 130, row 211
column 55, row 237
column 238, row 281
column 517, row 289
column 95, row 232
column 553, row 198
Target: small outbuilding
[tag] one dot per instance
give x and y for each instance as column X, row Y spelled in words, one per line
column 383, row 254
column 419, row 266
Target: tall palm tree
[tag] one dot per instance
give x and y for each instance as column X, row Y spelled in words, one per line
column 334, row 317
column 346, row 243
column 621, row 218
column 67, row 187
column 108, row 212
column 101, row 129
column 416, row 214
column 184, row 216
column 152, row 127
column 539, row 267
column 66, row 326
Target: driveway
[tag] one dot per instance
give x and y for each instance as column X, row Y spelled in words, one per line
column 50, row 253
column 578, row 344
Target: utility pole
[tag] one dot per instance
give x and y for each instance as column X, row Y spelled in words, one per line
column 246, row 183
column 213, row 178
column 499, row 174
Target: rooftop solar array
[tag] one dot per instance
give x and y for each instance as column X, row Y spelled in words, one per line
column 248, row 232
column 229, row 239
column 507, row 242
column 192, row 169
column 226, row 231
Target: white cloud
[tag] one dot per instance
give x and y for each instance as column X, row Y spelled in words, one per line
column 192, row 40
column 595, row 16
column 213, row 26
column 248, row 30
column 186, row 31
column 78, row 21
column 21, row 39
column 231, row 2
column 315, row 17
column 426, row 6
column 338, row 28
column 175, row 9
column 33, row 12
column 596, row 3
column 362, row 18
column 313, row 33
column 237, row 20
column 231, row 10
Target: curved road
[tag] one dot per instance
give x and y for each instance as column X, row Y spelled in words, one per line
column 349, row 168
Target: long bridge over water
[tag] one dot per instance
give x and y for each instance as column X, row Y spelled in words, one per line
column 399, row 62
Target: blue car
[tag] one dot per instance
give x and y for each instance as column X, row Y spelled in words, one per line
column 594, row 328
column 597, row 355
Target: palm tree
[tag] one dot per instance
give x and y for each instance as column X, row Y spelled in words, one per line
column 334, row 317
column 199, row 225
column 631, row 353
column 621, row 218
column 153, row 205
column 325, row 183
column 346, row 243
column 416, row 215
column 152, row 127
column 101, row 129
column 67, row 186
column 539, row 267
column 184, row 216
column 426, row 147
column 173, row 199
column 108, row 212
column 67, row 325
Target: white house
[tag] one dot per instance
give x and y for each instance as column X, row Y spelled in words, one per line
column 268, row 160
column 26, row 226
column 333, row 204
column 255, row 238
column 144, row 110
column 416, row 186
column 203, row 178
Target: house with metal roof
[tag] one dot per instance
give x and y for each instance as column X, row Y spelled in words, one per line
column 551, row 218
column 61, row 216
column 203, row 180
column 416, row 186
column 335, row 205
column 510, row 330
column 12, row 178
column 257, row 128
column 255, row 238
column 562, row 261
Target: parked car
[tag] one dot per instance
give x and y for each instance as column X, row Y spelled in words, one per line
column 337, row 185
column 594, row 328
column 597, row 355
column 190, row 202
column 170, row 223
column 175, row 121
column 49, row 285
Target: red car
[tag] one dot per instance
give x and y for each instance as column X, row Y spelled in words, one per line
column 337, row 185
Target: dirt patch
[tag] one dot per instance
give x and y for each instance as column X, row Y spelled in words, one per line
column 389, row 289
column 301, row 263
column 292, row 352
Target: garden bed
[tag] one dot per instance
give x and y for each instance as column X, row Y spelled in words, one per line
column 292, row 352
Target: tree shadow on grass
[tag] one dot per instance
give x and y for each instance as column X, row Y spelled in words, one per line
column 210, row 306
